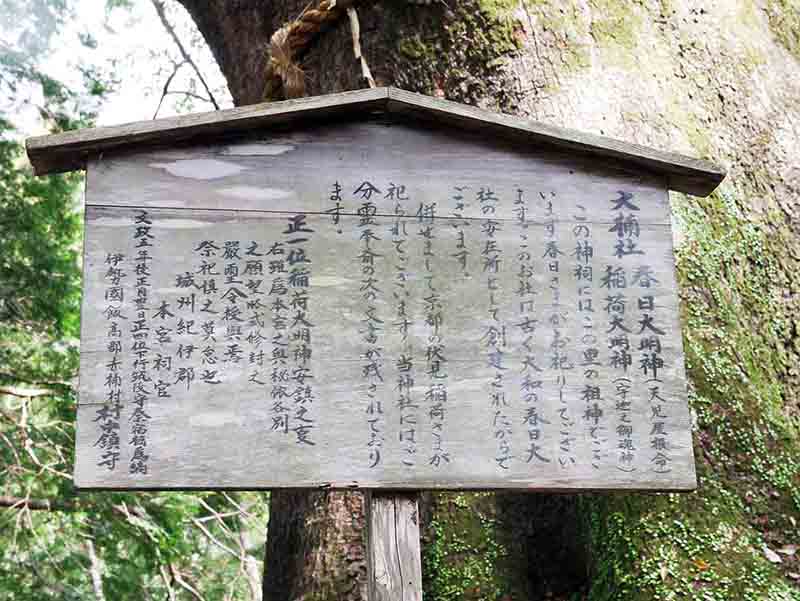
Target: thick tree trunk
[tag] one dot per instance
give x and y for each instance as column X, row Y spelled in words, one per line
column 315, row 539
column 653, row 72
column 315, row 546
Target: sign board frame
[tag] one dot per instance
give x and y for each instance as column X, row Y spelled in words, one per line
column 120, row 146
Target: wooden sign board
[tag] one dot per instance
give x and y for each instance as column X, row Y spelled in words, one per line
column 379, row 304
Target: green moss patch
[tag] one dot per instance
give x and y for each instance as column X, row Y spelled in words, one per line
column 458, row 51
column 719, row 543
column 462, row 557
column 784, row 20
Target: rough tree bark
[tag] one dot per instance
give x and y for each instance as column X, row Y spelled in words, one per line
column 676, row 75
column 315, row 540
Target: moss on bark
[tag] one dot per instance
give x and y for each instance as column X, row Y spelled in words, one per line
column 665, row 73
column 711, row 544
column 457, row 51
column 784, row 20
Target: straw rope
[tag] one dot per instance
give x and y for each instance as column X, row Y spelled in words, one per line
column 284, row 76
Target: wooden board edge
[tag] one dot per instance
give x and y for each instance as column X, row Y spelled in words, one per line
column 378, row 487
column 685, row 174
column 69, row 151
column 394, row 558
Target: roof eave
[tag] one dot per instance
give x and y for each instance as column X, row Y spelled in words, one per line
column 71, row 150
column 684, row 174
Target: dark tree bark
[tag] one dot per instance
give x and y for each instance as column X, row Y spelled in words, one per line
column 718, row 81
column 315, row 539
column 315, row 546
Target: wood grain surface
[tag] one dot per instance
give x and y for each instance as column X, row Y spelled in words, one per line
column 431, row 189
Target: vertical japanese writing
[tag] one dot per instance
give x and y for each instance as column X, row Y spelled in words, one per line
column 591, row 394
column 462, row 253
column 615, row 283
column 371, row 326
column 204, row 281
column 405, row 402
column 464, row 330
column 298, row 235
column 659, row 441
column 279, row 377
column 186, row 332
column 495, row 337
column 109, row 413
column 140, row 348
column 525, row 294
column 651, row 362
column 233, row 301
column 256, row 312
column 436, row 393
column 164, row 317
column 626, row 449
column 560, row 361
column 335, row 211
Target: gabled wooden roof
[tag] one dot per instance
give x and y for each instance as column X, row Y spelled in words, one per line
column 70, row 150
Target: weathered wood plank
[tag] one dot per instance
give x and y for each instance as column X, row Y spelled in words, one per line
column 394, row 561
column 220, row 435
column 270, row 174
column 379, row 306
column 72, row 150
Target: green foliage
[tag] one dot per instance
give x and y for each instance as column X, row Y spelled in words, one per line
column 111, row 4
column 462, row 557
column 710, row 545
column 53, row 540
column 39, row 233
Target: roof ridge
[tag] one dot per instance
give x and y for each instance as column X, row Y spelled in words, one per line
column 71, row 150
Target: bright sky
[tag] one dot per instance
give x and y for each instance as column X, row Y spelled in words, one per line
column 134, row 45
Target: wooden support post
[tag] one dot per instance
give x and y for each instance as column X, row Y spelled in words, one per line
column 394, row 561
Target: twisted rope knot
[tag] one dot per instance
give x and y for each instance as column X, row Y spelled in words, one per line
column 284, row 76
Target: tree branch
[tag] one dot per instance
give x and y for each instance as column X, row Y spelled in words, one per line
column 25, row 393
column 179, row 579
column 19, row 503
column 57, row 384
column 213, row 539
column 186, row 93
column 253, row 572
column 38, row 504
column 176, row 67
column 95, row 570
column 159, row 6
